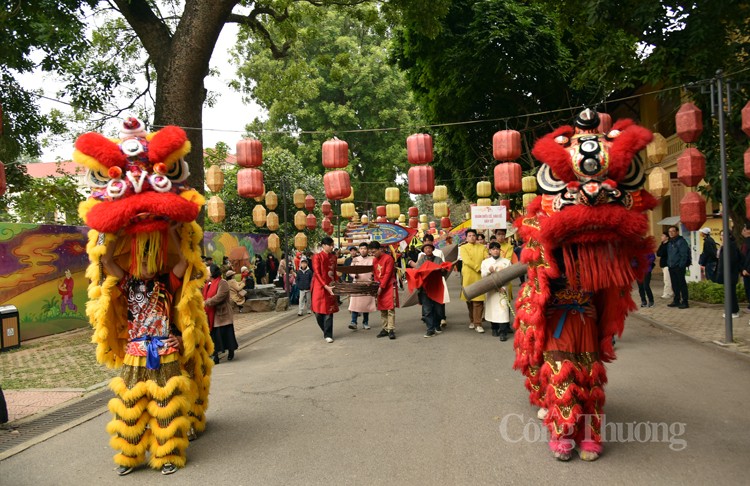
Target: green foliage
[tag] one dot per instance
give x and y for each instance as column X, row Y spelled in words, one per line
column 45, row 200
column 336, row 78
column 712, row 293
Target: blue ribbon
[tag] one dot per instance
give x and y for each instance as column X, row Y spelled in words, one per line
column 153, row 362
column 568, row 307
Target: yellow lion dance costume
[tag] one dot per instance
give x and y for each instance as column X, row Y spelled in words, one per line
column 138, row 197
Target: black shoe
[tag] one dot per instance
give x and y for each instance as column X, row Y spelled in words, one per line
column 168, row 468
column 683, row 306
column 123, row 470
column 230, row 355
column 643, row 304
column 650, row 304
column 391, row 335
column 382, row 333
column 673, row 304
column 353, row 326
column 503, row 336
column 495, row 332
column 216, row 359
column 429, row 333
column 438, row 330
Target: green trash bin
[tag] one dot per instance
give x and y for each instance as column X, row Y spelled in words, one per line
column 11, row 328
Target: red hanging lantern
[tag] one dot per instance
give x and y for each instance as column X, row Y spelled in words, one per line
column 309, row 203
column 508, row 177
column 445, row 222
column 414, row 222
column 419, row 149
column 3, row 180
column 421, row 179
column 311, row 222
column 249, row 153
column 691, row 167
column 381, row 219
column 249, row 182
column 325, row 208
column 335, row 154
column 747, row 207
column 506, row 145
column 693, row 211
column 605, row 123
column 747, row 163
column 327, row 226
column 689, row 122
column 506, row 204
column 380, row 211
column 337, row 184
column 746, row 119
column 413, row 212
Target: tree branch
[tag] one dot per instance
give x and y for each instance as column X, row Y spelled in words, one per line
column 153, row 32
column 251, row 20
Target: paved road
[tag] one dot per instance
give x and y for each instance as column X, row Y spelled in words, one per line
column 292, row 409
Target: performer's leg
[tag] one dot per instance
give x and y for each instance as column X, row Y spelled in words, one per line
column 328, row 326
column 562, row 401
column 128, row 427
column 169, row 423
column 320, row 319
column 589, row 429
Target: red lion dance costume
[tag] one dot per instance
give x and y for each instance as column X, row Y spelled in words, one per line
column 585, row 243
column 138, row 190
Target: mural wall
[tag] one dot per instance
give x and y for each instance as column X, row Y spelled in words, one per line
column 42, row 272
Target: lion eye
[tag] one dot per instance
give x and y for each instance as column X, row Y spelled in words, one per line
column 96, row 178
column 179, row 171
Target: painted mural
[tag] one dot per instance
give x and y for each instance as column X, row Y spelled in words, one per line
column 42, row 272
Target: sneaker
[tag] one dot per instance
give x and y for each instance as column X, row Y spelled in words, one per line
column 480, row 329
column 168, row 468
column 734, row 315
column 444, row 323
column 429, row 333
column 683, row 306
column 495, row 333
column 123, row 470
column 650, row 304
column 643, row 304
column 541, row 414
column 299, row 313
column 329, row 340
column 353, row 326
column 471, row 326
column 366, row 327
column 391, row 335
column 438, row 330
column 503, row 336
column 673, row 304
column 382, row 333
column 309, row 312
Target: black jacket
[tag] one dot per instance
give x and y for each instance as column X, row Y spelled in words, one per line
column 661, row 252
column 304, row 279
column 735, row 259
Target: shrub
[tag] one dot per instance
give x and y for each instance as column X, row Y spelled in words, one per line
column 712, row 293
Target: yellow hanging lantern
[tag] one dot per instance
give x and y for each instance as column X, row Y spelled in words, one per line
column 440, row 193
column 402, row 218
column 299, row 198
column 392, row 194
column 350, row 197
column 259, row 215
column 347, row 210
column 484, row 189
column 657, row 182
column 392, row 211
column 272, row 221
column 216, row 210
column 273, row 243
column 355, row 216
column 214, row 178
column 364, row 219
column 300, row 220
column 467, row 216
column 272, row 200
column 657, row 149
column 528, row 184
column 300, row 241
column 484, row 201
column 527, row 198
column 440, row 209
column 424, row 226
column 423, row 218
column 261, row 197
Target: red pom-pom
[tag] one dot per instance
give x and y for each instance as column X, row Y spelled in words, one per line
column 114, row 172
column 160, row 168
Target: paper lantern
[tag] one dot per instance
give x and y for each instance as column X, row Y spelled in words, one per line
column 347, row 210
column 350, row 197
column 392, row 211
column 419, row 149
column 249, row 153
column 272, row 200
column 327, row 226
column 745, row 119
column 422, row 218
column 380, row 211
column 214, row 178
column 355, row 216
column 309, row 202
column 440, row 209
column 298, row 198
column 747, row 163
column 325, row 208
column 402, row 218
column 527, row 198
column 413, row 212
column 747, row 207
column 381, row 219
column 508, row 177
column 300, row 220
column 337, row 184
column 262, row 196
column 216, row 209
column 691, row 167
column 440, row 193
column 484, row 189
column 693, row 211
column 249, row 182
column 413, row 222
column 311, row 222
column 605, row 123
column 484, row 201
column 335, row 154
column 259, row 216
column 423, row 226
column 300, row 241
column 274, row 244
column 689, row 122
column 433, row 224
column 3, row 180
column 528, row 184
column 392, row 195
column 506, row 145
column 272, row 221
column 421, row 179
column 657, row 149
column 445, row 222
column 657, row 182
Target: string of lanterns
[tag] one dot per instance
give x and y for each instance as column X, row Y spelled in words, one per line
column 691, row 166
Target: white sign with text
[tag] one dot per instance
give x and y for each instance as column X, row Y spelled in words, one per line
column 488, row 217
